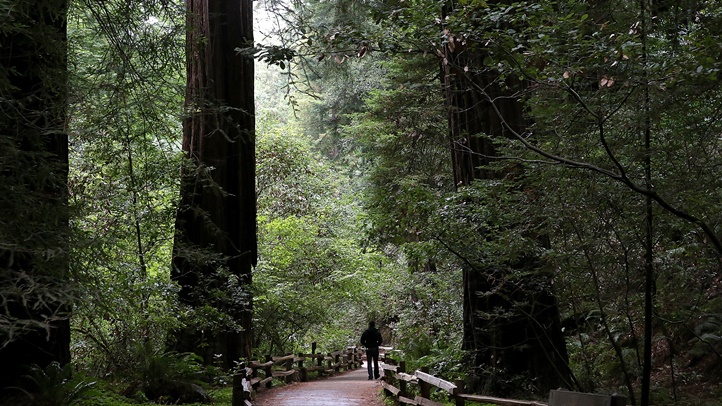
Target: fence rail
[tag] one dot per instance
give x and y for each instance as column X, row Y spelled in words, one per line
column 256, row 374
column 396, row 380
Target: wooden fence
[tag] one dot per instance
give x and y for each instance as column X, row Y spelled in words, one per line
column 255, row 374
column 396, row 381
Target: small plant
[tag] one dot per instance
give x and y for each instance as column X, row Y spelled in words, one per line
column 52, row 386
column 169, row 377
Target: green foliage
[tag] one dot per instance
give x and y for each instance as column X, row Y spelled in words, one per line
column 273, row 55
column 167, row 377
column 126, row 98
column 221, row 293
column 596, row 80
column 107, row 396
column 434, row 291
column 406, row 176
column 291, row 179
column 310, row 273
column 53, row 386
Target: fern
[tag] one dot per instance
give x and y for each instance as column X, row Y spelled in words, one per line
column 53, row 386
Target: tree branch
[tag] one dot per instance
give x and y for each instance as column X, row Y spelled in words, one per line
column 619, row 177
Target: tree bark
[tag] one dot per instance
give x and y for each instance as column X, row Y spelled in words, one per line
column 34, row 286
column 215, row 244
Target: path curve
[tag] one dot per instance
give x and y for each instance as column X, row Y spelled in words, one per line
column 351, row 388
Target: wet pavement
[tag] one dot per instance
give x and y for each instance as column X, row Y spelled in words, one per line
column 350, row 388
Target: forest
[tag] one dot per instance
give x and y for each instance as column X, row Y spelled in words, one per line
column 522, row 195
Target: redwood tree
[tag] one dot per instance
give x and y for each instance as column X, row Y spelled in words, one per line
column 34, row 283
column 215, row 244
column 511, row 317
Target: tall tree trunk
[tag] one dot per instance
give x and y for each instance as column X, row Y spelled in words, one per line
column 523, row 335
column 215, row 245
column 34, row 285
column 649, row 285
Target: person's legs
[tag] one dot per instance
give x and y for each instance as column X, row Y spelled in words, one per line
column 369, row 356
column 376, row 364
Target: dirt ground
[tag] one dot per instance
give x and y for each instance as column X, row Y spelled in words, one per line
column 350, row 388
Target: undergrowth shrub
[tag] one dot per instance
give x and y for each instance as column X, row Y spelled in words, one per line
column 52, row 386
column 168, row 377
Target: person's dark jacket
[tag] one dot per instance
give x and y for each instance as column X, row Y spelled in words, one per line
column 371, row 338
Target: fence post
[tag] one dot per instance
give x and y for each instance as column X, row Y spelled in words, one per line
column 389, row 379
column 618, row 400
column 425, row 387
column 319, row 361
column 268, row 371
column 351, row 358
column 402, row 383
column 459, row 391
column 336, row 361
column 239, row 395
column 254, row 374
column 302, row 369
column 289, row 366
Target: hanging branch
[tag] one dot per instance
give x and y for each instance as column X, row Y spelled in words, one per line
column 620, row 176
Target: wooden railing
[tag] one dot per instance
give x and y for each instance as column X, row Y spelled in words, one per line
column 254, row 374
column 396, row 381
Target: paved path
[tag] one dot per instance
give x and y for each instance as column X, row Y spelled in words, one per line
column 350, row 388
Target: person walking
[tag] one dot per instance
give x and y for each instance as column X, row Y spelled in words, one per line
column 371, row 339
